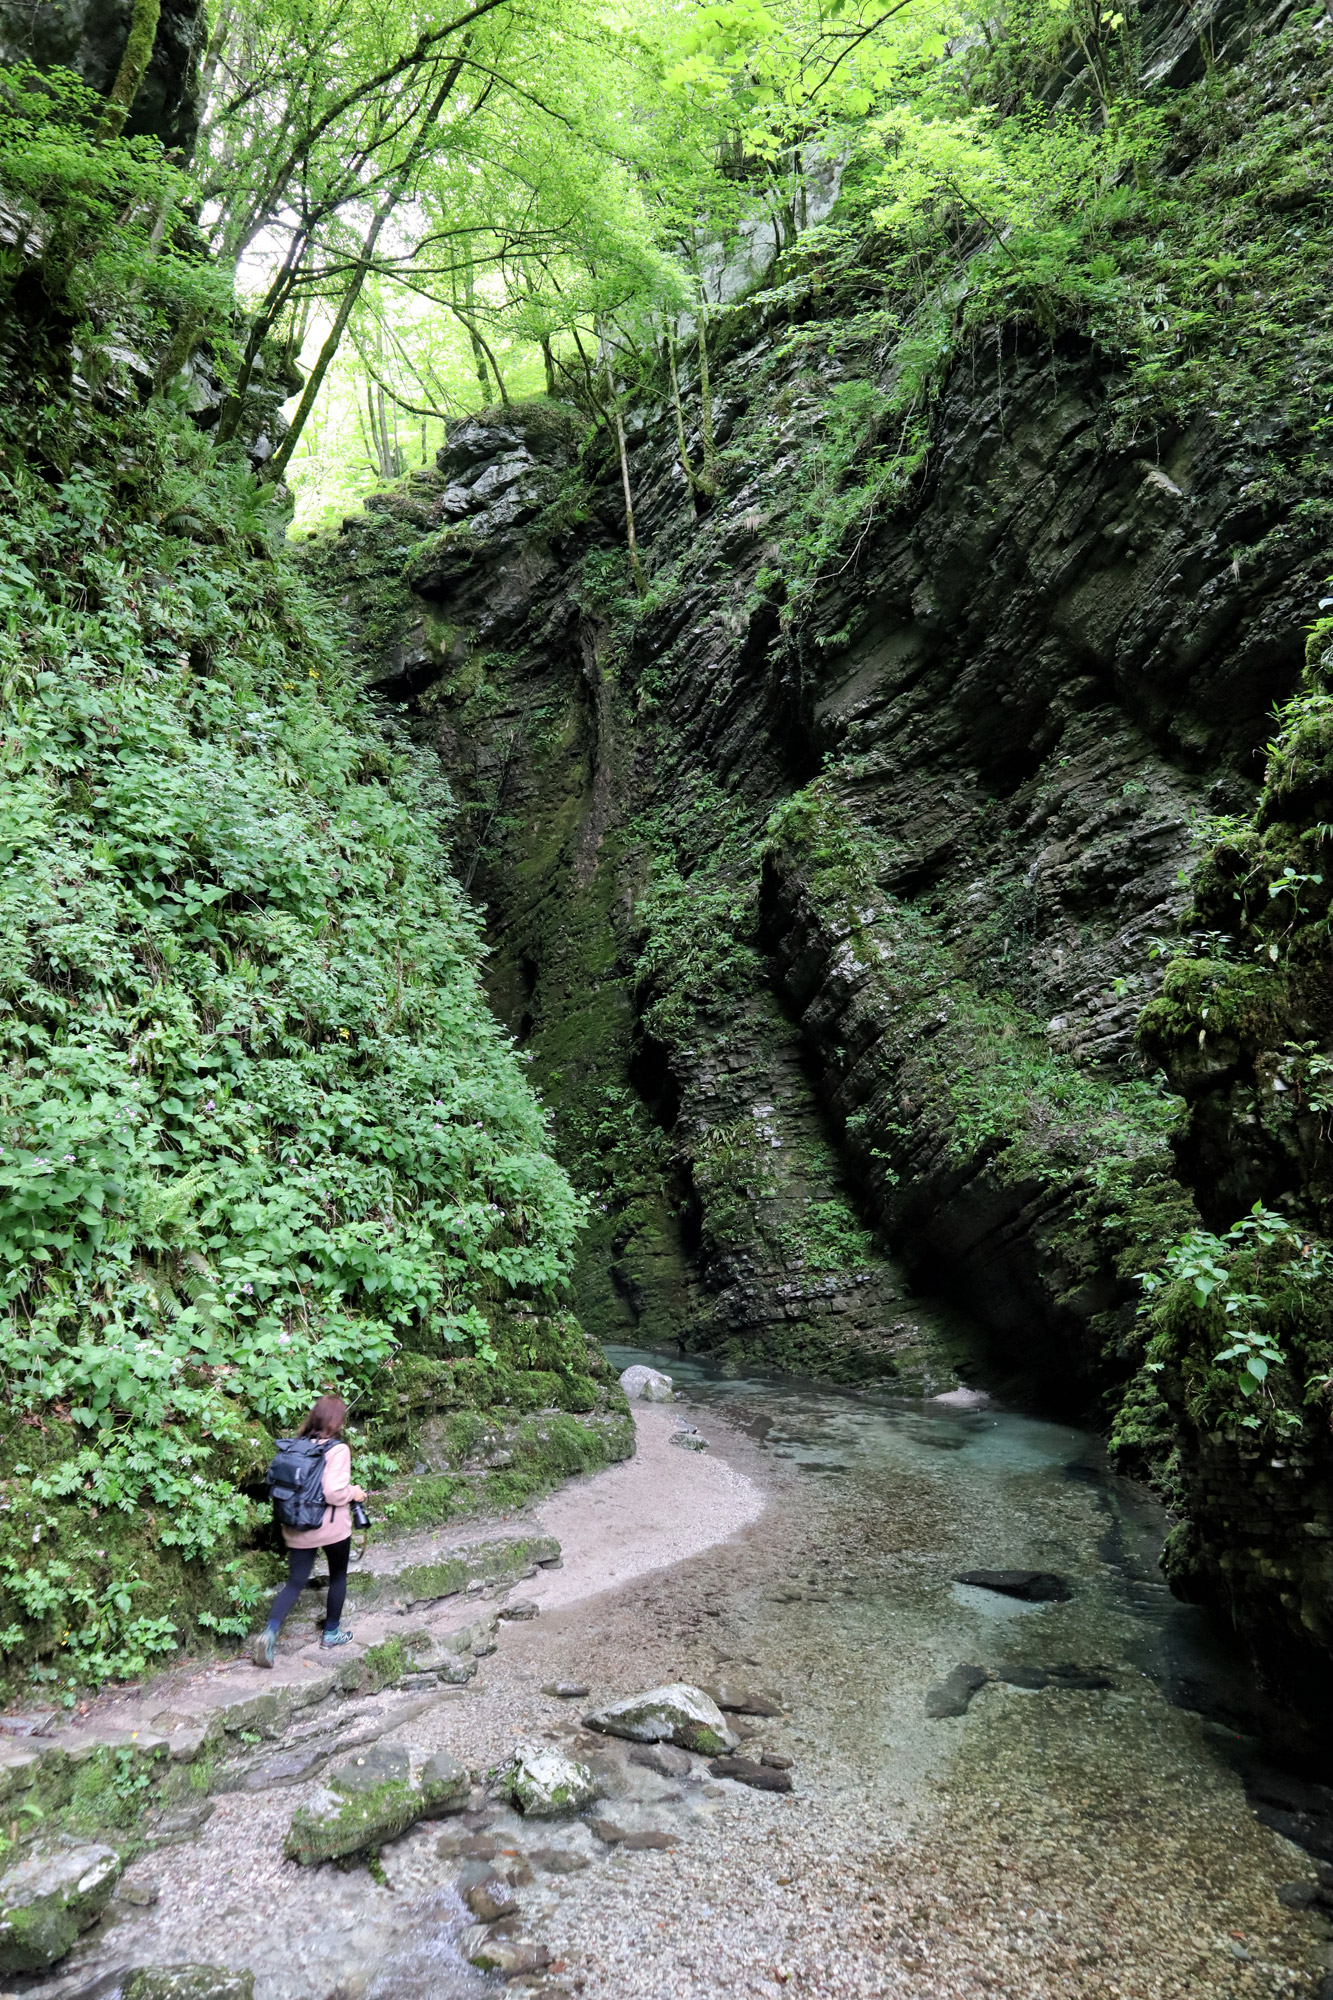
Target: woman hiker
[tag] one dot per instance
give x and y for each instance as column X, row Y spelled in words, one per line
column 333, row 1533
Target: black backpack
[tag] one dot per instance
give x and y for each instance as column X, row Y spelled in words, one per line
column 296, row 1482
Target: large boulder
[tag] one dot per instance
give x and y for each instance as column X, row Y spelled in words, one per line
column 674, row 1714
column 372, row 1798
column 56, row 1891
column 543, row 1784
column 647, row 1385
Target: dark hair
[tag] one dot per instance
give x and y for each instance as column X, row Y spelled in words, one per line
column 326, row 1419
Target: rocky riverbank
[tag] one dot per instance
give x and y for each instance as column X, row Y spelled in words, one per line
column 1063, row 1830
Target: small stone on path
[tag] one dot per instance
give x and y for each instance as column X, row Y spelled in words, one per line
column 689, row 1439
column 566, row 1690
column 526, row 1607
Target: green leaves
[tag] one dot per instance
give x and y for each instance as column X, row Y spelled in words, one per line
column 257, row 1124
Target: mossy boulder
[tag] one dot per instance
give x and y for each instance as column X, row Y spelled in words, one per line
column 373, row 1798
column 57, row 1890
column 187, row 1982
column 544, row 1785
column 674, row 1714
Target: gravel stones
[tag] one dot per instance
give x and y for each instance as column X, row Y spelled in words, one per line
column 953, row 1695
column 543, row 1783
column 647, row 1385
column 676, row 1713
column 1033, row 1586
column 56, row 1891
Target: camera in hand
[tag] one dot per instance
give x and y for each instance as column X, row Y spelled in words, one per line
column 360, row 1518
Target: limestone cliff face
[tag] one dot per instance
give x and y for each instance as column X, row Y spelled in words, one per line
column 89, row 37
column 828, row 929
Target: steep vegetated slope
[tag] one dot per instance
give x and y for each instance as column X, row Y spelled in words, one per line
column 829, row 877
column 260, row 1132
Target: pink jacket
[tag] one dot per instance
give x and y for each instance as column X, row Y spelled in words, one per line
column 337, row 1523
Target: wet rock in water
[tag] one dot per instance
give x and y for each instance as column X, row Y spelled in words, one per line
column 776, row 1762
column 524, row 1609
column 664, row 1758
column 647, row 1385
column 742, row 1700
column 486, row 1893
column 58, row 1889
column 370, row 1799
column 1298, row 1895
column 510, row 1957
column 566, row 1690
column 688, row 1439
column 953, row 1695
column 677, row 1713
column 1019, row 1673
column 557, row 1860
column 1033, row 1586
column 960, row 1399
column 544, row 1783
column 762, row 1777
column 647, row 1838
column 444, row 1784
column 187, row 1982
column 167, row 1982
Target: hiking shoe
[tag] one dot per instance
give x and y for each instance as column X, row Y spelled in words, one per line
column 261, row 1649
column 335, row 1639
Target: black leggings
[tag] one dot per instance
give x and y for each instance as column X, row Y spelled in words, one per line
column 300, row 1564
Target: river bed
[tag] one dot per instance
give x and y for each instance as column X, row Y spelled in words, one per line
column 1086, row 1836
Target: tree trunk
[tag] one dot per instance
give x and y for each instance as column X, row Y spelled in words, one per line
column 133, row 64
column 478, row 344
column 708, row 480
column 624, row 476
column 685, row 466
column 278, row 464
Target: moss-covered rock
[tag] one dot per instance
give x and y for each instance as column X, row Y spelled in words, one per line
column 373, row 1798
column 543, row 1784
column 58, row 1889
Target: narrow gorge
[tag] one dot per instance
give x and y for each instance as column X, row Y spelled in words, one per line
column 784, row 845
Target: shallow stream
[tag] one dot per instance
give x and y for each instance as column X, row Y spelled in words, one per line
column 1077, row 1829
